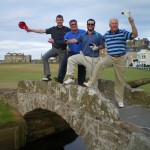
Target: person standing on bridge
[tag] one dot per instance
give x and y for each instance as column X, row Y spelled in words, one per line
column 58, row 45
column 115, row 40
column 89, row 55
column 72, row 50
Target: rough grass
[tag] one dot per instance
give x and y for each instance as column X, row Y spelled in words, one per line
column 8, row 116
column 5, row 113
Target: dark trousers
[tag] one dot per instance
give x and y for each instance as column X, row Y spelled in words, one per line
column 52, row 53
column 63, row 68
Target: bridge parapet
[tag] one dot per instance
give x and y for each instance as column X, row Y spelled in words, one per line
column 51, row 96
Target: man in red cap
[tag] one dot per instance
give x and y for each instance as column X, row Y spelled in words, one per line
column 59, row 47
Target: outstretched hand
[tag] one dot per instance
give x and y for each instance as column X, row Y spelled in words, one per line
column 50, row 40
column 131, row 20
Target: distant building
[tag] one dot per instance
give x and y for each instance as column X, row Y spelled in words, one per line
column 139, row 43
column 143, row 57
column 138, row 58
column 131, row 58
column 17, row 57
column 52, row 59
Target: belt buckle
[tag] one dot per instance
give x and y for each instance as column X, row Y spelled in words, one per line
column 119, row 55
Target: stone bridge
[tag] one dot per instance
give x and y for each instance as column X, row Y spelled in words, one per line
column 89, row 113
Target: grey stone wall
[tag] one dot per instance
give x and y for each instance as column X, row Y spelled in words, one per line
column 132, row 95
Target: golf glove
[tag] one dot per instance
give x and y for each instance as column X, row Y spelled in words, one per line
column 93, row 47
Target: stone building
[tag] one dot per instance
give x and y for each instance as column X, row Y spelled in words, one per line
column 141, row 43
column 143, row 57
column 17, row 57
column 131, row 58
column 138, row 58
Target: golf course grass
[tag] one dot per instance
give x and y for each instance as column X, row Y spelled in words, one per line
column 10, row 74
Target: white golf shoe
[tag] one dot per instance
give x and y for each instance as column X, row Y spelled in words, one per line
column 86, row 84
column 121, row 104
column 69, row 81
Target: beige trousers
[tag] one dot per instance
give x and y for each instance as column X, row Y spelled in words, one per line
column 119, row 65
column 80, row 59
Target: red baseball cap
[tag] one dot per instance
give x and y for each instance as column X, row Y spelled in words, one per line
column 23, row 25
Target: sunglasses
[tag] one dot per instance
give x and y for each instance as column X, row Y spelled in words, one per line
column 91, row 24
column 73, row 24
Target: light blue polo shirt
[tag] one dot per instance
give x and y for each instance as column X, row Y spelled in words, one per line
column 75, row 48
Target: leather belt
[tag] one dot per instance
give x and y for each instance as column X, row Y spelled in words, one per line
column 119, row 55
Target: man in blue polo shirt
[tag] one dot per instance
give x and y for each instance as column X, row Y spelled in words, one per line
column 116, row 49
column 72, row 50
column 88, row 56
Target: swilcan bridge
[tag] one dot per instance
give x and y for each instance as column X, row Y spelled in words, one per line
column 88, row 112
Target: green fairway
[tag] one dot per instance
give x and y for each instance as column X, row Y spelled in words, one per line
column 10, row 74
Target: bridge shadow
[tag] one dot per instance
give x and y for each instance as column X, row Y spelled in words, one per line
column 53, row 142
column 47, row 130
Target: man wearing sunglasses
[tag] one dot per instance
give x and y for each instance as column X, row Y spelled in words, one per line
column 89, row 55
column 72, row 50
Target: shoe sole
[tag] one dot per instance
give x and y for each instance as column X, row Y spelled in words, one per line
column 121, row 106
column 46, row 79
column 69, row 83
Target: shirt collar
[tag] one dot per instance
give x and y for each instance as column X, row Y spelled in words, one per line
column 75, row 32
column 94, row 32
column 60, row 28
column 114, row 32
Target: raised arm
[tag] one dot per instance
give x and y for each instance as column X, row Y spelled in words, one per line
column 134, row 30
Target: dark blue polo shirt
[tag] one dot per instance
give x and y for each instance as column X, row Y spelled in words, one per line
column 87, row 39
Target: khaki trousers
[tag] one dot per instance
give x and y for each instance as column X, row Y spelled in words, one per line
column 119, row 65
column 80, row 59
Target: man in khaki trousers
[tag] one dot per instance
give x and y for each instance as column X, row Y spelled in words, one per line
column 115, row 40
column 92, row 42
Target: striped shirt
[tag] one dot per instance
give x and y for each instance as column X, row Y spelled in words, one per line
column 116, row 42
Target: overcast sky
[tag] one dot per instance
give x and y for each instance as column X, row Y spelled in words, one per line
column 41, row 14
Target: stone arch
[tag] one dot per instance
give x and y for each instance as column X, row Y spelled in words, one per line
column 41, row 123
